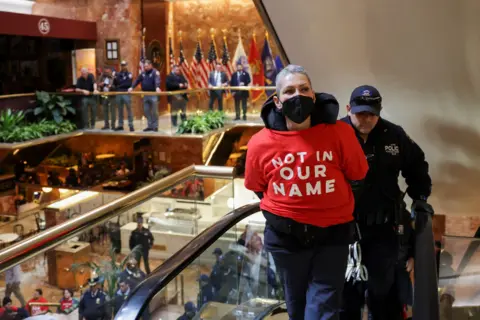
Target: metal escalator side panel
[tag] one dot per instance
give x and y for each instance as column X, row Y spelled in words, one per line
column 140, row 298
column 426, row 305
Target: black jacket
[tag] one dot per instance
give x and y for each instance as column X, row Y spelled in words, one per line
column 390, row 151
column 326, row 111
column 173, row 84
column 141, row 237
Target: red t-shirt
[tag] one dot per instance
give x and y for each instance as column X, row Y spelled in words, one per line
column 37, row 310
column 304, row 174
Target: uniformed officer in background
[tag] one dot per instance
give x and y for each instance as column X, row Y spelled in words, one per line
column 143, row 237
column 379, row 204
column 123, row 81
column 132, row 274
column 150, row 81
column 176, row 81
column 105, row 84
column 95, row 303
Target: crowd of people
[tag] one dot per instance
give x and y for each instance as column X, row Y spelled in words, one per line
column 149, row 81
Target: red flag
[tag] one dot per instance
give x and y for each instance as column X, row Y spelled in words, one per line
column 256, row 69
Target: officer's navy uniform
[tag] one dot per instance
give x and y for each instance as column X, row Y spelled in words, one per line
column 240, row 96
column 150, row 81
column 123, row 81
column 144, row 238
column 178, row 101
column 132, row 278
column 94, row 306
column 379, row 208
column 206, row 293
column 120, row 298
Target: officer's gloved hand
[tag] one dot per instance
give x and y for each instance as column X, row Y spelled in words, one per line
column 421, row 210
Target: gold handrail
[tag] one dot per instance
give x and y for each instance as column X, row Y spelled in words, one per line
column 58, row 234
column 145, row 93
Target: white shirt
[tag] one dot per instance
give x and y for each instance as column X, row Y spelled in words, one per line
column 218, row 79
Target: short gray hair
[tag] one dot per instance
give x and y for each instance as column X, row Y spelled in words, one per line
column 84, row 69
column 290, row 69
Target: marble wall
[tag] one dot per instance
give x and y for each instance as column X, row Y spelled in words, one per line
column 229, row 15
column 116, row 19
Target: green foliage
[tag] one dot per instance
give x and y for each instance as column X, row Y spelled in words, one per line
column 108, row 270
column 38, row 130
column 62, row 161
column 10, row 119
column 52, row 107
column 203, row 123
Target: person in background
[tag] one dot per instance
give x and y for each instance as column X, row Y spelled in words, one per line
column 123, row 170
column 300, row 166
column 176, row 81
column 13, row 278
column 132, row 274
column 216, row 276
column 206, row 293
column 190, row 311
column 72, row 180
column 68, row 303
column 217, row 78
column 94, row 304
column 121, row 295
column 105, row 84
column 87, row 86
column 143, row 237
column 9, row 312
column 240, row 78
column 37, row 298
column 123, row 81
column 150, row 82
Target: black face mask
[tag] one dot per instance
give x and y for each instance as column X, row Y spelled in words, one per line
column 298, row 108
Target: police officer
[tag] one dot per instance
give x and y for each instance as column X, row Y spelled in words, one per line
column 95, row 304
column 206, row 291
column 176, row 81
column 132, row 274
column 216, row 276
column 379, row 202
column 150, row 81
column 143, row 237
column 123, row 81
column 190, row 311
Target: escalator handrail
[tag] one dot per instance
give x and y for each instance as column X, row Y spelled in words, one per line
column 139, row 299
column 58, row 234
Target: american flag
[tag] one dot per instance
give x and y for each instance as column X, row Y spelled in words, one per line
column 185, row 67
column 172, row 57
column 200, row 68
column 212, row 55
column 142, row 54
column 226, row 59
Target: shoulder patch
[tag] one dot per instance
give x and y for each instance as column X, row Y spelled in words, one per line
column 129, row 75
column 157, row 73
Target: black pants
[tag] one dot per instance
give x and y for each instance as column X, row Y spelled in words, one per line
column 312, row 269
column 144, row 254
column 216, row 95
column 239, row 98
column 388, row 281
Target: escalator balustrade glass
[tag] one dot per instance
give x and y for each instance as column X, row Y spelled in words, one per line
column 94, row 269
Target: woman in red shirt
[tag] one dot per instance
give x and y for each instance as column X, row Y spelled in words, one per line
column 301, row 165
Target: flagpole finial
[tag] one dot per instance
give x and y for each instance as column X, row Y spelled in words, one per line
column 266, row 34
column 180, row 33
column 224, row 34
